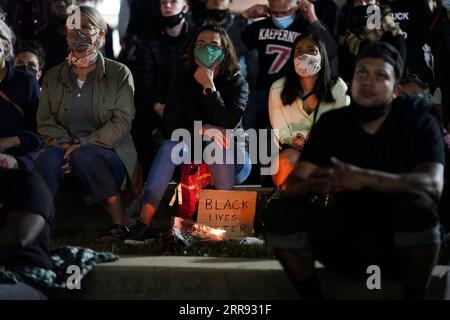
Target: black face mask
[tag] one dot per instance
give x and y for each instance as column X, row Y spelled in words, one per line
column 26, row 69
column 369, row 114
column 218, row 15
column 174, row 20
column 358, row 16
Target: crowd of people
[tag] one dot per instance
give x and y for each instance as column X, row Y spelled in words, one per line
column 358, row 93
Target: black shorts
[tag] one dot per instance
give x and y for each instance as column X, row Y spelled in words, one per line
column 362, row 230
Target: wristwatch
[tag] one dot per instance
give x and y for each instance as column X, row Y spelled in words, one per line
column 207, row 91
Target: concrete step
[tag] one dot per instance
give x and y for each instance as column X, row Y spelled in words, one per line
column 196, row 278
column 205, row 278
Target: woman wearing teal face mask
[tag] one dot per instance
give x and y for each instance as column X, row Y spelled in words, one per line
column 211, row 90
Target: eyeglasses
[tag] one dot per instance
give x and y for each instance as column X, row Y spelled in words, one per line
column 201, row 44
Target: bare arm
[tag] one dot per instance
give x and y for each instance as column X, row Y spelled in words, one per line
column 426, row 177
column 307, row 178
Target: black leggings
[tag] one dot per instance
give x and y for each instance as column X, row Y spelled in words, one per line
column 22, row 190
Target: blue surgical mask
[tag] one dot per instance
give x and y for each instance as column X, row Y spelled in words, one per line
column 284, row 22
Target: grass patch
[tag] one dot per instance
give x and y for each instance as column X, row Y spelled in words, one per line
column 87, row 238
column 80, row 225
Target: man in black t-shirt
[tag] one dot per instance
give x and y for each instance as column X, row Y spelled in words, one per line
column 381, row 160
column 26, row 212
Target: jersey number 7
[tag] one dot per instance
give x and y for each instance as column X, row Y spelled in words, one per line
column 282, row 56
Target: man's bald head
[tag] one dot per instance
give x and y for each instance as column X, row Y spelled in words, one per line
column 282, row 7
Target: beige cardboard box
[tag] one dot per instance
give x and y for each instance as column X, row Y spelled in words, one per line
column 233, row 211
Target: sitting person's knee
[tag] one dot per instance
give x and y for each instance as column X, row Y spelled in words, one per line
column 84, row 152
column 284, row 215
column 286, row 163
column 175, row 149
column 289, row 156
column 50, row 156
column 417, row 221
column 416, row 211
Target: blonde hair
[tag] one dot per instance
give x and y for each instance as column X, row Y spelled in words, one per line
column 96, row 18
column 6, row 34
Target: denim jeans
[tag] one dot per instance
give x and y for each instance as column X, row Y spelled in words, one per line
column 225, row 176
column 100, row 170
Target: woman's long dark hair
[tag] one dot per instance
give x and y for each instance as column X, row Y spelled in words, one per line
column 325, row 81
column 230, row 63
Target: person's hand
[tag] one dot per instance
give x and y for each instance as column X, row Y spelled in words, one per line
column 320, row 181
column 159, row 108
column 299, row 142
column 347, row 177
column 217, row 134
column 67, row 168
column 9, row 142
column 256, row 11
column 64, row 145
column 205, row 76
column 307, row 10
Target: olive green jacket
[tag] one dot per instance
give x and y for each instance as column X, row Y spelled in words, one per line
column 113, row 105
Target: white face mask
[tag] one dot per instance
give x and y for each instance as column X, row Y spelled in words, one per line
column 307, row 65
column 8, row 162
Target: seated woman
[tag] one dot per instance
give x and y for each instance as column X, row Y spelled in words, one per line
column 298, row 100
column 85, row 114
column 26, row 213
column 210, row 90
column 19, row 99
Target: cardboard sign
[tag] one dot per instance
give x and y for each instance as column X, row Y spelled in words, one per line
column 233, row 211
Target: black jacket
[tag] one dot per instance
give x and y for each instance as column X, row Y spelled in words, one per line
column 186, row 103
column 22, row 89
column 159, row 58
